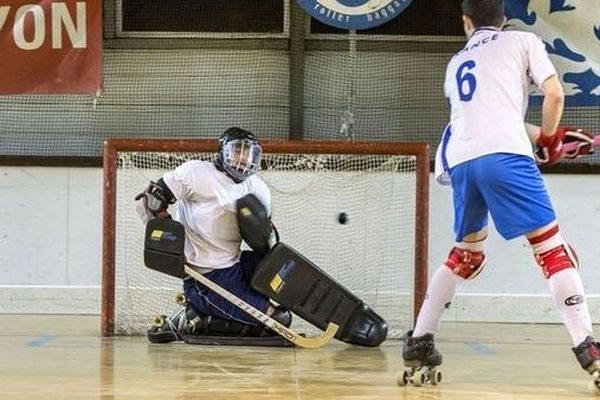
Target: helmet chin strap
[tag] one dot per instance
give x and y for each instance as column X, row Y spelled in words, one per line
column 219, row 165
column 235, row 179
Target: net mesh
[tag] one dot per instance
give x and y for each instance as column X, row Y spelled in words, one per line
column 372, row 254
column 194, row 68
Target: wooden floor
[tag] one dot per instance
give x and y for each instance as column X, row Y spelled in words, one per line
column 60, row 357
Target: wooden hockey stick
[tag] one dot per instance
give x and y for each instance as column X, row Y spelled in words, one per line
column 282, row 330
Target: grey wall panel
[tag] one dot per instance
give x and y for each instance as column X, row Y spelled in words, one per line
column 403, row 124
column 191, row 121
column 159, row 93
column 395, row 96
column 84, row 135
column 382, row 80
column 200, row 92
column 196, row 77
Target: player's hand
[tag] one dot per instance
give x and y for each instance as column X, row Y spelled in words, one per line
column 550, row 148
column 584, row 141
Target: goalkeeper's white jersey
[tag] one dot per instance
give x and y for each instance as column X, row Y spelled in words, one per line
column 206, row 207
column 487, row 84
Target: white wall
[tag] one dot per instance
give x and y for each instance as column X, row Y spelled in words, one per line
column 50, row 241
column 50, row 247
column 511, row 287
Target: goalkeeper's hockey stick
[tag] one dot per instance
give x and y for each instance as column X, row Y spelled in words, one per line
column 573, row 145
column 280, row 329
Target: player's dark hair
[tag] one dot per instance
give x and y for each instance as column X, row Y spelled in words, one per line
column 484, row 12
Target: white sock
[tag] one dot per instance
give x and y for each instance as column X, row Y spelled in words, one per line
column 566, row 285
column 440, row 292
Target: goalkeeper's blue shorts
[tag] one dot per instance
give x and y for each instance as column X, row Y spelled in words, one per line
column 235, row 279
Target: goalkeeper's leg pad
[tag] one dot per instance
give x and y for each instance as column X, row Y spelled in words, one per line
column 295, row 282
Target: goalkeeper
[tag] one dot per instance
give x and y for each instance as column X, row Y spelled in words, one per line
column 206, row 194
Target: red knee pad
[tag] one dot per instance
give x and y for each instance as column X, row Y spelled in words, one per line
column 556, row 259
column 465, row 263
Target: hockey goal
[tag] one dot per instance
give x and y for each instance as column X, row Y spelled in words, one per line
column 358, row 210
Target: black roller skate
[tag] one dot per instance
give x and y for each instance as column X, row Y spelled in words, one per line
column 421, row 361
column 188, row 325
column 588, row 355
column 166, row 329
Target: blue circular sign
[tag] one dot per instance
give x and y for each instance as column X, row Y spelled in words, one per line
column 354, row 14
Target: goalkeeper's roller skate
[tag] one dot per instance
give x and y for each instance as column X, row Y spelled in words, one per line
column 588, row 355
column 421, row 361
column 166, row 329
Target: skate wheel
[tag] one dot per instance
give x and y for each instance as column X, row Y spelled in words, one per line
column 419, row 378
column 402, row 378
column 159, row 321
column 594, row 386
column 435, row 376
column 180, row 299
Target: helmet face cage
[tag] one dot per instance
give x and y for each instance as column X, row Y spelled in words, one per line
column 240, row 158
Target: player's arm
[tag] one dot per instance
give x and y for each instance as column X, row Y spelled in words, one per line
column 184, row 182
column 552, row 107
column 550, row 140
column 543, row 74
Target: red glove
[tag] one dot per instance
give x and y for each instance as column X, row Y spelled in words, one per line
column 550, row 148
column 584, row 141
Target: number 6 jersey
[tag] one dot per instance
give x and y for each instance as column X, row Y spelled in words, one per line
column 487, row 85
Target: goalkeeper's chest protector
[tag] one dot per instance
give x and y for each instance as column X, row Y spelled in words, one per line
column 206, row 200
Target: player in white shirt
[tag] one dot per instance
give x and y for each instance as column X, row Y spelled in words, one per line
column 487, row 155
column 205, row 194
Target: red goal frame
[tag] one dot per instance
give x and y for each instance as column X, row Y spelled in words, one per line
column 113, row 146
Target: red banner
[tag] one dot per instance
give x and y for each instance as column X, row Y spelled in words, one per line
column 50, row 46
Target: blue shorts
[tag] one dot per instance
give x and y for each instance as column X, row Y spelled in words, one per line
column 508, row 186
column 236, row 279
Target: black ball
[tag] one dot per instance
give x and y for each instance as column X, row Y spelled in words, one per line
column 342, row 218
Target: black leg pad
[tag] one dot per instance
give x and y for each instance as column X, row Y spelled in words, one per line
column 296, row 283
